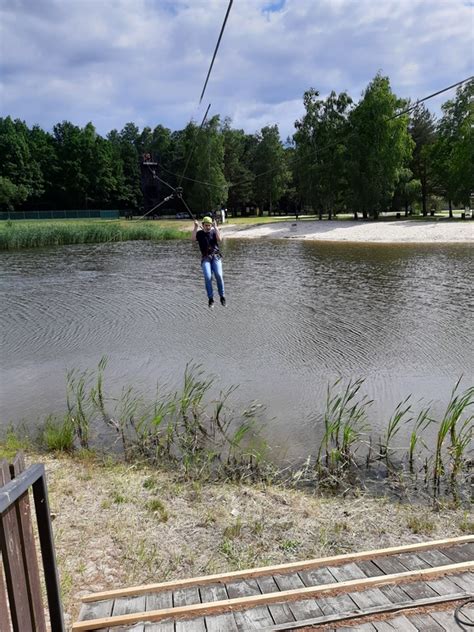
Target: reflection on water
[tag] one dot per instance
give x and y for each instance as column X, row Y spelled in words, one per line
column 299, row 315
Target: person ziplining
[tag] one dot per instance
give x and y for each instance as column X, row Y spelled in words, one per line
column 209, row 237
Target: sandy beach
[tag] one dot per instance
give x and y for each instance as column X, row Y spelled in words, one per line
column 358, row 231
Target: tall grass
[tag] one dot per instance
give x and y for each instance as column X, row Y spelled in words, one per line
column 198, row 430
column 15, row 235
column 345, row 422
column 188, row 428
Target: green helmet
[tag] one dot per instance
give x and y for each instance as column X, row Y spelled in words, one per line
column 207, row 220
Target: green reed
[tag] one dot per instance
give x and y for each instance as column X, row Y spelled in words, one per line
column 187, row 427
column 402, row 411
column 345, row 422
column 17, row 235
column 459, row 431
column 197, row 429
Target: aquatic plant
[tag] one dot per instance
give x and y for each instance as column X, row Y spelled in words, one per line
column 345, row 422
column 393, row 427
column 17, row 235
column 459, row 431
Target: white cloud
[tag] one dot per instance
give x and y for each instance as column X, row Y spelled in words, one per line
column 112, row 61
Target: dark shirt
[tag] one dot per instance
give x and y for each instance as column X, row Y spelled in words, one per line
column 208, row 243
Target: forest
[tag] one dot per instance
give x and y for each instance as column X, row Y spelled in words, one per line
column 380, row 153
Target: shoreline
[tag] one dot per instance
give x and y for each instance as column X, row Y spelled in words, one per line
column 361, row 231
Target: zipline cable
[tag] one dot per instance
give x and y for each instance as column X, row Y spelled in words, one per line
column 177, row 192
column 215, row 51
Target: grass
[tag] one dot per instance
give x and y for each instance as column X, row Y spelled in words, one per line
column 20, row 234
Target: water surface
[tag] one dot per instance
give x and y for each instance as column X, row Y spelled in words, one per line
column 299, row 315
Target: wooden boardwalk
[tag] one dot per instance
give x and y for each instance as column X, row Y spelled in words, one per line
column 407, row 589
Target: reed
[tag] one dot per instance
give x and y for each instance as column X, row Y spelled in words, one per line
column 17, row 235
column 399, row 417
column 197, row 430
column 456, row 424
column 345, row 422
column 186, row 428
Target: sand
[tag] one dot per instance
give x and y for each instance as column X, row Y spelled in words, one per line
column 358, row 231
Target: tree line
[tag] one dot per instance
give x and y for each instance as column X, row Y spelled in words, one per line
column 363, row 158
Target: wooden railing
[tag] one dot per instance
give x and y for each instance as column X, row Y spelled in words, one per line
column 21, row 600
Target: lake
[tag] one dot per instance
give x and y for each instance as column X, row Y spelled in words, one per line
column 299, row 315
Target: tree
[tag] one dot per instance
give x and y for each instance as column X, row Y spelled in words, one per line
column 237, row 172
column 210, row 188
column 20, row 172
column 379, row 147
column 423, row 133
column 270, row 168
column 321, row 151
column 453, row 151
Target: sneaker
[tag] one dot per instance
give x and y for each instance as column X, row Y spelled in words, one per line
column 211, row 302
column 223, row 301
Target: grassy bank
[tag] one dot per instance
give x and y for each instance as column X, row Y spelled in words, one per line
column 118, row 524
column 35, row 234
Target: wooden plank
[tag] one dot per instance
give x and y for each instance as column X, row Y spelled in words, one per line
column 339, row 604
column 162, row 626
column 412, row 562
column 435, row 558
column 304, row 609
column 316, row 577
column 219, row 622
column 445, row 619
column 395, row 593
column 390, row 565
column 138, row 627
column 5, row 623
column 396, row 623
column 15, row 576
column 362, row 627
column 419, row 590
column 235, row 604
column 96, row 610
column 281, row 613
column 129, row 605
column 30, row 559
column 461, row 552
column 443, row 586
column 156, row 601
column 215, row 592
column 369, row 568
column 366, row 598
column 425, row 622
column 326, row 621
column 249, row 619
column 188, row 598
column 465, row 581
column 270, row 570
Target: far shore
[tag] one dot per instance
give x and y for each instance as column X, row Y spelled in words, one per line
column 368, row 231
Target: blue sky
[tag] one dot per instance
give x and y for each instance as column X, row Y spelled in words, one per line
column 115, row 61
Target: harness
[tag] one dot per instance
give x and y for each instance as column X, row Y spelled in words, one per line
column 208, row 245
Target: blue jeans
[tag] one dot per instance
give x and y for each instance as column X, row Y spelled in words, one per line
column 211, row 265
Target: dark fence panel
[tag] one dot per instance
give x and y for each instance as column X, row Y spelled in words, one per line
column 102, row 214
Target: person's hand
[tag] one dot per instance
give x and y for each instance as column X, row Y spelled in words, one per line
column 214, row 224
column 196, row 224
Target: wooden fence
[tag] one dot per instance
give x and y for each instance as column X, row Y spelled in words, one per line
column 21, row 597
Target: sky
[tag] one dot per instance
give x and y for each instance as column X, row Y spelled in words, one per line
column 145, row 61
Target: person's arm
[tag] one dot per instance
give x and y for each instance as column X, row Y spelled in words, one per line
column 218, row 232
column 195, row 230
